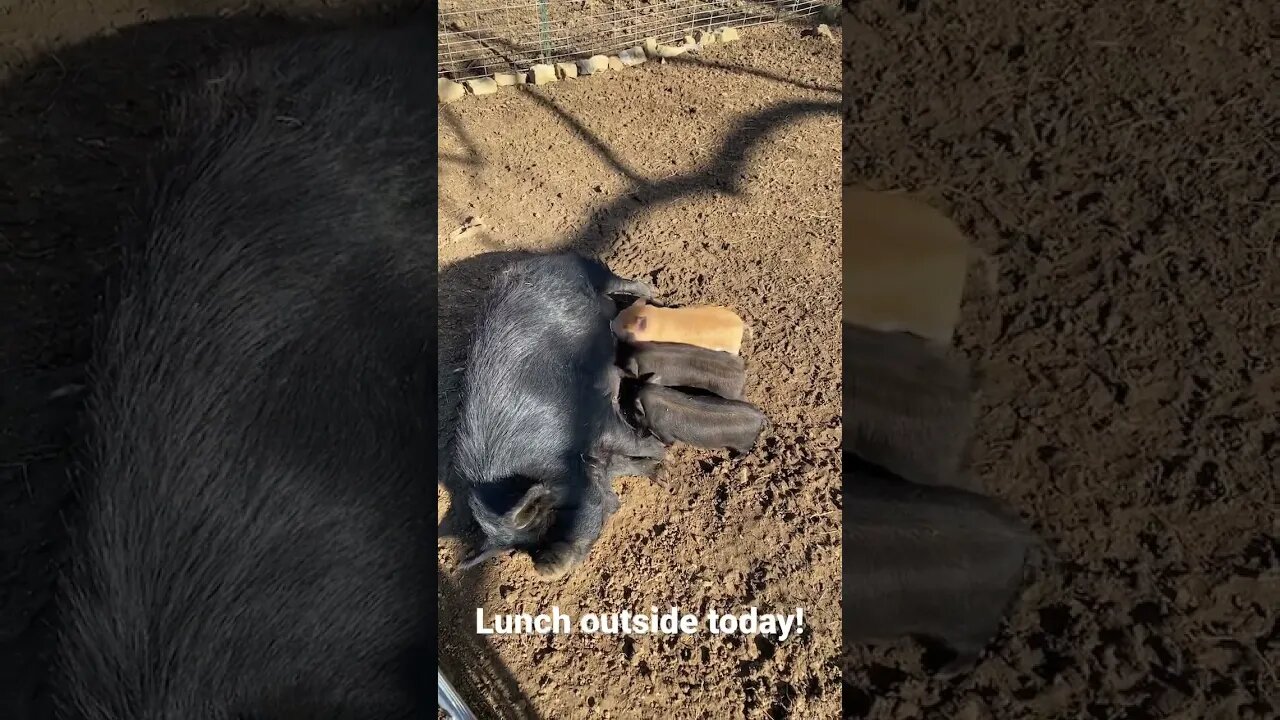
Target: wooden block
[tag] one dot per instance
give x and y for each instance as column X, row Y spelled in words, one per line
column 481, row 86
column 592, row 65
column 542, row 74
column 632, row 57
column 669, row 51
column 447, row 90
column 507, row 79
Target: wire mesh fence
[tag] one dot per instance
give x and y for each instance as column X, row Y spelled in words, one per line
column 480, row 38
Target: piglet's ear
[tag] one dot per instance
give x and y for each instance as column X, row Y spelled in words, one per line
column 637, row 406
column 534, row 509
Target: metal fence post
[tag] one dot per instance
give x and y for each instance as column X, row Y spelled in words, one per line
column 544, row 26
column 449, row 700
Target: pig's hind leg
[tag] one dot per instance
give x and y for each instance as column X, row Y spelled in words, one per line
column 968, row 651
column 626, row 466
column 555, row 560
column 620, row 438
column 631, row 288
column 606, row 282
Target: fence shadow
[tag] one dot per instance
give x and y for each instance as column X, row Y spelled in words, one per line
column 482, row 679
column 687, row 59
column 471, row 156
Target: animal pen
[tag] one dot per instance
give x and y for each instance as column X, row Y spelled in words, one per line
column 477, row 42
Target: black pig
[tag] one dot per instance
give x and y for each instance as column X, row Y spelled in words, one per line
column 936, row 563
column 703, row 421
column 540, row 433
column 678, row 365
column 907, row 406
column 251, row 536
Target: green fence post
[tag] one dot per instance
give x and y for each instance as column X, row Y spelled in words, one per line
column 544, row 23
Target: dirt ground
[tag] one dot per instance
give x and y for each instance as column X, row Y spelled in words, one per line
column 716, row 180
column 1120, row 161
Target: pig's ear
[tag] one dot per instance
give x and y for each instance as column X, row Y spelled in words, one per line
column 630, row 366
column 534, row 509
column 612, row 503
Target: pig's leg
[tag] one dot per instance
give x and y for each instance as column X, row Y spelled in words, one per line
column 576, row 533
column 615, row 285
column 632, row 288
column 600, row 472
column 622, row 439
column 555, row 560
column 647, row 468
column 606, row 282
column 613, row 384
column 634, row 466
column 968, row 651
column 618, row 436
